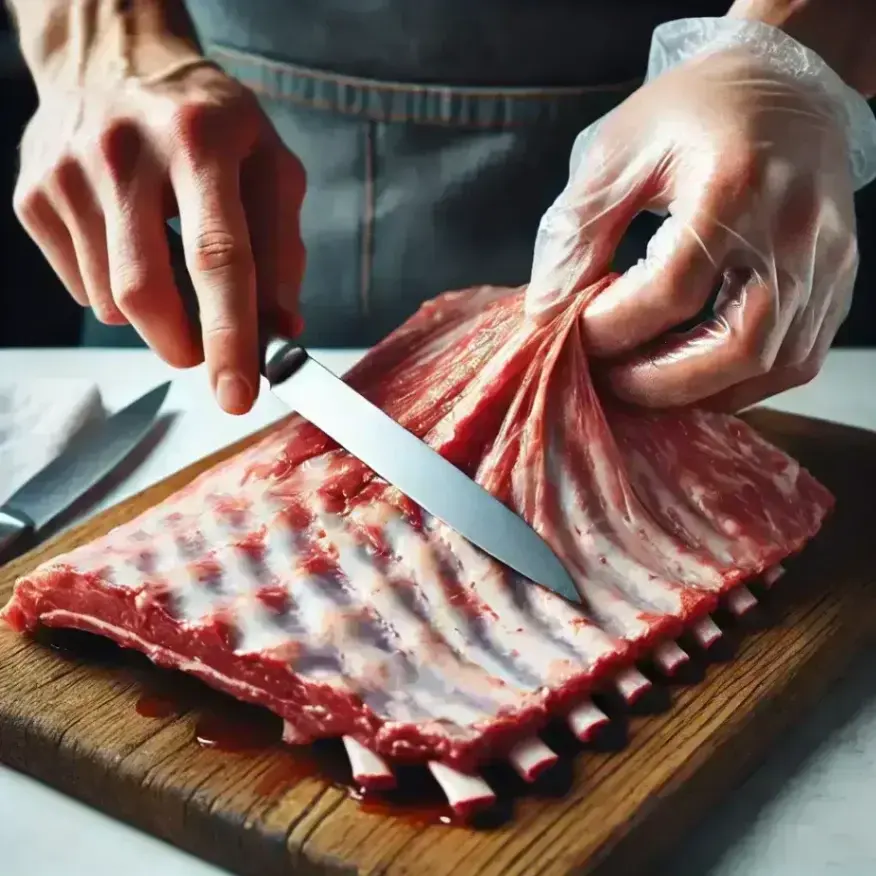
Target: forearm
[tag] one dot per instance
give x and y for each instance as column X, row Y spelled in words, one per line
column 80, row 39
column 843, row 33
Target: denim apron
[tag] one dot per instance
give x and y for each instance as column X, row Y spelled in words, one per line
column 434, row 133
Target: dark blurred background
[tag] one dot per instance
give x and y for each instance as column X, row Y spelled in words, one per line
column 36, row 311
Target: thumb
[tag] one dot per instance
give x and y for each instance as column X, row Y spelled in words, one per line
column 673, row 284
column 577, row 237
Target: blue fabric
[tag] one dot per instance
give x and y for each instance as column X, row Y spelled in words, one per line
column 413, row 189
column 435, row 134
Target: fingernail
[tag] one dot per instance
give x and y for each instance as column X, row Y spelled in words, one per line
column 234, row 392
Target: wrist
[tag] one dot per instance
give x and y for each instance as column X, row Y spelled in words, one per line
column 843, row 34
column 81, row 42
column 678, row 41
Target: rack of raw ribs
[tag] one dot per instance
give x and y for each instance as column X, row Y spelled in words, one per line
column 291, row 577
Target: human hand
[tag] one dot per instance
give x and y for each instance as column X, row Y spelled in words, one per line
column 753, row 168
column 108, row 158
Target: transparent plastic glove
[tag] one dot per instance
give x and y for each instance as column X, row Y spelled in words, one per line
column 750, row 157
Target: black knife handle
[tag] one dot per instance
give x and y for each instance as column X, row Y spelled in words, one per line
column 279, row 358
column 286, row 359
column 15, row 531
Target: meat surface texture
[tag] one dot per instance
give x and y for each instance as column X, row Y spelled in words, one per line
column 292, row 577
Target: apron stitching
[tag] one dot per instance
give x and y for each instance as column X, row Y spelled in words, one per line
column 368, row 220
column 318, row 103
column 546, row 93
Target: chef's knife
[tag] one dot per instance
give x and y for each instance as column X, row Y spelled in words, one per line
column 395, row 454
column 95, row 451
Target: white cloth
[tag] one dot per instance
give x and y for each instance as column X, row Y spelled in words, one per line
column 38, row 417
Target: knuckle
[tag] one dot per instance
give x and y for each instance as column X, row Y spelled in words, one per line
column 26, row 205
column 67, row 178
column 120, row 146
column 219, row 333
column 798, row 347
column 849, row 256
column 762, row 358
column 209, row 120
column 791, row 287
column 105, row 311
column 192, row 124
column 738, row 170
column 844, row 306
column 796, row 356
column 131, row 295
column 293, row 173
column 800, row 212
column 807, row 370
column 213, row 117
column 219, row 328
column 101, row 313
column 803, row 372
column 216, row 250
column 754, row 356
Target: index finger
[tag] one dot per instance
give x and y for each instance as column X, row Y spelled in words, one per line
column 737, row 345
column 670, row 286
column 220, row 262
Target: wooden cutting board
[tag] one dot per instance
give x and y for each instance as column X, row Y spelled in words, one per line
column 70, row 718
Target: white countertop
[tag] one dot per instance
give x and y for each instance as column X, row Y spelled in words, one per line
column 807, row 810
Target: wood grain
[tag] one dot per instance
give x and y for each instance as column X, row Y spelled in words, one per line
column 72, row 723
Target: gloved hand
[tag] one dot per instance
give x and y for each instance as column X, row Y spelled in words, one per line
column 746, row 145
column 111, row 153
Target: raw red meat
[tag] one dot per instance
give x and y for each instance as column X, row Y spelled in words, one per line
column 292, row 577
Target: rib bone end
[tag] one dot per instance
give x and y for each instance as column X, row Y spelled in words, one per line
column 631, row 685
column 370, row 771
column 740, row 601
column 466, row 794
column 585, row 720
column 531, row 758
column 669, row 657
column 706, row 632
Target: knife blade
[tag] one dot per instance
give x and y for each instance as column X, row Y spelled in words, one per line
column 86, row 460
column 395, row 454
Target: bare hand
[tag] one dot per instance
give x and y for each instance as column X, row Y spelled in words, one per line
column 103, row 165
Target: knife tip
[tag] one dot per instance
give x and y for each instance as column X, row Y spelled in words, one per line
column 152, row 400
